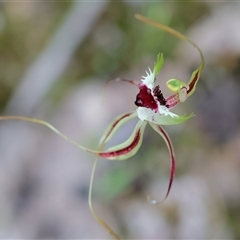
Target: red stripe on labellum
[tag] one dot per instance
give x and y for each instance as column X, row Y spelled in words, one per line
column 125, row 150
column 193, row 82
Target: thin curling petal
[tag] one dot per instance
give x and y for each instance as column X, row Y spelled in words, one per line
column 115, row 125
column 168, row 142
column 95, row 215
column 133, row 82
column 129, row 147
column 51, row 127
column 173, row 32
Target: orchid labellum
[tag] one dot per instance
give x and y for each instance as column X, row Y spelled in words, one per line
column 152, row 108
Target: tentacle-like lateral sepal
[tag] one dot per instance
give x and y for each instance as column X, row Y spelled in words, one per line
column 129, row 147
column 168, row 142
column 115, row 125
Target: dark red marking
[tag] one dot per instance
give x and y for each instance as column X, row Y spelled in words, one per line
column 125, row 150
column 145, row 98
column 158, row 93
column 193, row 82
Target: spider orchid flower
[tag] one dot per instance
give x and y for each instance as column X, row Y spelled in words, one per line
column 152, row 108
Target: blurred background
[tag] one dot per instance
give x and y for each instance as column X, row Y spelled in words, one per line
column 55, row 57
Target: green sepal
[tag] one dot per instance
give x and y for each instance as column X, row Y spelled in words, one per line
column 158, row 65
column 169, row 120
